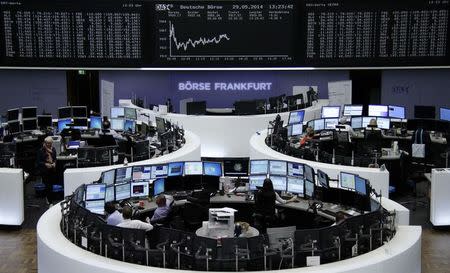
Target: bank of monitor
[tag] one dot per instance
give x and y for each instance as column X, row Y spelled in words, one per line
column 212, row 168
column 277, row 167
column 278, row 182
column 295, row 129
column 378, row 111
column 347, row 180
column 175, row 169
column 139, row 189
column 95, row 192
column 295, row 185
column 351, row 110
column 444, row 114
column 396, row 111
column 193, row 168
column 256, row 181
column 331, row 111
column 296, row 117
column 259, row 167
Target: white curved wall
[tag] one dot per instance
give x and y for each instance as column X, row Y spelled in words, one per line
column 378, row 179
column 190, row 151
column 11, row 197
column 228, row 136
column 56, row 254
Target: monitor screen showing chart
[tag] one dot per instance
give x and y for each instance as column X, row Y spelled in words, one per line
column 330, row 123
column 159, row 171
column 278, row 182
column 296, row 117
column 141, row 173
column 347, row 180
column 352, row 110
column 295, row 185
column 117, row 112
column 259, row 166
column 176, row 169
column 123, row 192
column 97, row 206
column 256, row 181
column 309, row 173
column 139, row 189
column 123, row 175
column 294, row 169
column 95, row 191
column 356, row 122
column 360, row 185
column 331, row 111
column 383, row 123
column 378, row 111
column 444, row 113
column 309, row 189
column 108, row 177
column 319, row 124
column 295, row 129
column 396, row 111
column 277, row 167
column 193, row 168
column 109, row 194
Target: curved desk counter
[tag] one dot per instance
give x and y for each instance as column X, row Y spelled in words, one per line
column 11, row 197
column 190, row 151
column 228, row 136
column 378, row 179
column 401, row 254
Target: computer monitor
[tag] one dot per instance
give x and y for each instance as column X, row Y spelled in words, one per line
column 323, row 179
column 296, row 117
column 422, row 111
column 378, row 111
column 347, row 180
column 383, row 123
column 360, row 185
column 255, row 181
column 123, row 175
column 117, row 124
column 29, row 124
column 95, row 122
column 295, row 185
column 44, row 121
column 212, row 168
column 277, row 167
column 159, row 171
column 95, row 206
column 309, row 189
column 13, row 114
column 139, row 189
column 278, row 182
column 309, row 173
column 79, row 111
column 294, row 169
column 64, row 124
column 117, row 112
column 366, row 121
column 80, row 123
column 29, row 112
column 109, row 194
column 235, row 166
column 108, row 177
column 331, row 111
column 130, row 126
column 351, row 110
column 141, row 173
column 396, row 111
column 193, row 168
column 14, row 126
column 158, row 186
column 295, row 129
column 330, row 123
column 259, row 167
column 64, row 112
column 356, row 122
column 130, row 113
column 444, row 113
column 95, row 192
column 175, row 169
column 123, row 191
column 318, row 124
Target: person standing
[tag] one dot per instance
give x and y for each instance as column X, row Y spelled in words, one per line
column 46, row 163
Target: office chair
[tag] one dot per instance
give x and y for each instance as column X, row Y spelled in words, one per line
column 372, row 141
column 342, row 145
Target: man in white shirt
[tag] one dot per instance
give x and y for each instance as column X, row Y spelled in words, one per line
column 114, row 216
column 127, row 212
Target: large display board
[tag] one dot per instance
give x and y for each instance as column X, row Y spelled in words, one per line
column 291, row 33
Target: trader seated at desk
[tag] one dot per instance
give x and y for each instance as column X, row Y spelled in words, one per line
column 307, row 137
column 114, row 216
column 265, row 200
column 127, row 212
column 344, row 127
column 163, row 209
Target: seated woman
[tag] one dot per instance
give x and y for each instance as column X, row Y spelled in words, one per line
column 307, row 137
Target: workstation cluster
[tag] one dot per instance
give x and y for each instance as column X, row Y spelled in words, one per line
column 277, row 104
column 310, row 227
column 348, row 138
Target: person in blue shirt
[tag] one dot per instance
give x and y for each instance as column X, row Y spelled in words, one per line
column 162, row 210
column 114, row 216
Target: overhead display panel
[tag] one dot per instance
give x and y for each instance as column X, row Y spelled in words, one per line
column 178, row 34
